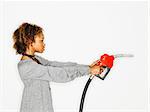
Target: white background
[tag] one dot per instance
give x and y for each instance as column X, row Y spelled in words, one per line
column 81, row 32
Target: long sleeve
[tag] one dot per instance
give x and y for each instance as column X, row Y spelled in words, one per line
column 32, row 70
column 54, row 63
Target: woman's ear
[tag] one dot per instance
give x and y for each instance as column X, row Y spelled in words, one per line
column 31, row 44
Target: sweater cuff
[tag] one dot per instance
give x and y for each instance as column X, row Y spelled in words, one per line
column 84, row 70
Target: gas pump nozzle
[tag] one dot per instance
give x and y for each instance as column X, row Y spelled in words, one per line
column 106, row 63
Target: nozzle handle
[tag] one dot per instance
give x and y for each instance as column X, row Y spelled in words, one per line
column 104, row 73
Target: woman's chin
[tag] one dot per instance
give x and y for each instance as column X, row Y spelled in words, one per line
column 41, row 51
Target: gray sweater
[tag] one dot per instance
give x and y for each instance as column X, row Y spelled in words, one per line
column 36, row 77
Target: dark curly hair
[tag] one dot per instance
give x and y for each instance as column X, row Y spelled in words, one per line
column 24, row 35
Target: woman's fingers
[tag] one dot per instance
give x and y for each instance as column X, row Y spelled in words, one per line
column 101, row 69
column 94, row 70
column 94, row 63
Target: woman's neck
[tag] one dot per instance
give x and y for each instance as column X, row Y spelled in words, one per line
column 29, row 53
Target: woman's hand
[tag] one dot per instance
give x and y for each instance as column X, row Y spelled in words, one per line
column 94, row 70
column 94, row 63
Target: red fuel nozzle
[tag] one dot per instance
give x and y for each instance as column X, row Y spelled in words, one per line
column 106, row 60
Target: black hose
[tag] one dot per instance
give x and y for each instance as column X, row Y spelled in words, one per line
column 87, row 85
column 83, row 94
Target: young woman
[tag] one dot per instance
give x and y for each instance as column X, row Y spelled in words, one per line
column 36, row 72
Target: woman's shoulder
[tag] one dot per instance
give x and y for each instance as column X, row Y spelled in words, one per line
column 25, row 64
column 39, row 58
column 24, row 61
column 29, row 66
column 28, row 60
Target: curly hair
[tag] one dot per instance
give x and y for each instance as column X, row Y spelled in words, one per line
column 24, row 35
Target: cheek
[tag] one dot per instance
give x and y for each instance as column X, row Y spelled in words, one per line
column 36, row 46
column 40, row 46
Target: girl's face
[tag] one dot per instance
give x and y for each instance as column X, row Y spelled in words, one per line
column 39, row 45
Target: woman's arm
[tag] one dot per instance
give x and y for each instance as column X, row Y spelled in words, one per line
column 32, row 70
column 54, row 63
